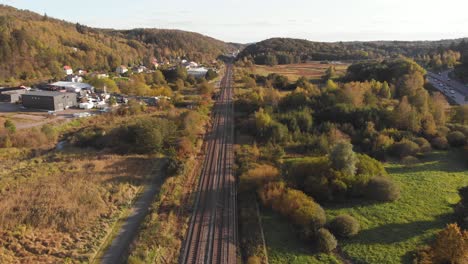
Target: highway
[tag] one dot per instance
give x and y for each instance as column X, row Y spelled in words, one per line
column 451, row 88
column 212, row 232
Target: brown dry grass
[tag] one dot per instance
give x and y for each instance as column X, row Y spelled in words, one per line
column 310, row 70
column 59, row 205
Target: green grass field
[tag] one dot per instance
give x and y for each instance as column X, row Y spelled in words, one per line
column 390, row 231
column 283, row 245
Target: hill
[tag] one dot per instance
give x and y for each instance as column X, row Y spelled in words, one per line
column 36, row 47
column 287, row 50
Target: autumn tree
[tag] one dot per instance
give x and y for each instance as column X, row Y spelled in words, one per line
column 438, row 108
column 451, row 246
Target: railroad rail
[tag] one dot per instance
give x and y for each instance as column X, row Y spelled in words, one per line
column 212, row 233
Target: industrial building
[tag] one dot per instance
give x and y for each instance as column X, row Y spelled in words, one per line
column 72, row 87
column 11, row 95
column 46, row 100
column 197, row 72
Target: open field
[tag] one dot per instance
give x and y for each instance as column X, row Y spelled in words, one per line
column 310, row 70
column 391, row 231
column 60, row 205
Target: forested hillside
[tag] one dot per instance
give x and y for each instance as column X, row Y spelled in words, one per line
column 36, row 47
column 286, row 50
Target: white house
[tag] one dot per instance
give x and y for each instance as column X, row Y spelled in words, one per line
column 139, row 69
column 68, row 70
column 121, row 69
column 74, row 78
column 82, row 72
column 100, row 75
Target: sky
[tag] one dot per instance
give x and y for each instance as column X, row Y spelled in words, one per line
column 246, row 21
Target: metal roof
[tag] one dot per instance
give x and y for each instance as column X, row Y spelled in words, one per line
column 74, row 85
column 46, row 93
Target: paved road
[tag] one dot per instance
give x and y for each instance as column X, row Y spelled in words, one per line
column 212, row 234
column 451, row 88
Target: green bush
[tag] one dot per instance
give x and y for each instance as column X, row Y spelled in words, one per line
column 344, row 226
column 368, row 168
column 424, row 145
column 258, row 176
column 294, row 204
column 440, row 143
column 317, row 178
column 456, row 139
column 326, row 241
column 9, row 126
column 404, row 148
column 382, row 189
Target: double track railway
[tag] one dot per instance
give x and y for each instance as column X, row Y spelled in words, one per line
column 212, row 234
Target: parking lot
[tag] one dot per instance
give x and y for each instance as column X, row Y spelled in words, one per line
column 26, row 118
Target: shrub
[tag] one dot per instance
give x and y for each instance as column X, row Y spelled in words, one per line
column 450, row 246
column 456, row 139
column 404, row 148
column 258, row 176
column 345, row 226
column 9, row 126
column 368, row 167
column 424, row 145
column 440, row 143
column 326, row 241
column 294, row 204
column 382, row 189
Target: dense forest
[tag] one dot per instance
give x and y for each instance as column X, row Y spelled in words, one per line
column 286, row 50
column 36, row 47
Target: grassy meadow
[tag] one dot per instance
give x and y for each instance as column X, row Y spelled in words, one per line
column 310, row 70
column 62, row 204
column 390, row 231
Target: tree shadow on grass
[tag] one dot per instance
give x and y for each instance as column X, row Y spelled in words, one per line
column 399, row 232
column 434, row 161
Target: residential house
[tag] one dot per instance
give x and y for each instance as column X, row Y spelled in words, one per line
column 68, row 70
column 74, row 78
column 121, row 69
column 139, row 69
column 82, row 72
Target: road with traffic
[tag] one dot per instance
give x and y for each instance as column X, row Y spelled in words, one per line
column 451, row 88
column 212, row 233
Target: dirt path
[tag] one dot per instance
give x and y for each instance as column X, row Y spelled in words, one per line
column 118, row 250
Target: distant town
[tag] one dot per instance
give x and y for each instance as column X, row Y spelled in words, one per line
column 73, row 92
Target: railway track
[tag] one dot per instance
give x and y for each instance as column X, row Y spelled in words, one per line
column 212, row 233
